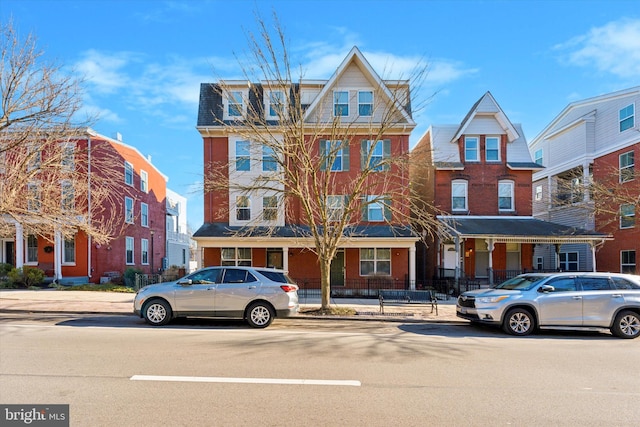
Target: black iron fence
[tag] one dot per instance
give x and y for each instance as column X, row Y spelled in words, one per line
column 142, row 280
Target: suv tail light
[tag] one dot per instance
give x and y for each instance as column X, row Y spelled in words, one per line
column 289, row 288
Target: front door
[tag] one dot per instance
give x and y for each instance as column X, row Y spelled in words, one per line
column 10, row 252
column 337, row 269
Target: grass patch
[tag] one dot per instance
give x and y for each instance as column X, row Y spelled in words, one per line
column 103, row 287
column 331, row 311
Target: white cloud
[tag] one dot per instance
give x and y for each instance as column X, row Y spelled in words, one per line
column 105, row 71
column 613, row 48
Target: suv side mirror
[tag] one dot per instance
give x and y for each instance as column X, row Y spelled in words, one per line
column 546, row 289
column 185, row 282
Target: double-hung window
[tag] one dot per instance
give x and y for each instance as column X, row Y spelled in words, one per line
column 68, row 154
column 236, row 256
column 569, row 261
column 128, row 210
column 459, row 195
column 505, row 196
column 34, row 197
column 69, row 251
column 376, row 154
column 144, row 214
column 335, row 208
column 627, row 216
column 235, row 106
column 129, row 250
column 627, row 117
column 270, row 208
column 365, row 103
column 243, row 208
column 627, row 165
column 68, row 196
column 375, row 261
column 32, row 248
column 243, row 155
column 492, row 149
column 276, row 103
column 34, row 154
column 377, row 208
column 128, row 173
column 269, row 162
column 144, row 181
column 144, row 251
column 471, row 149
column 539, row 156
column 335, row 154
column 341, row 103
column 628, row 261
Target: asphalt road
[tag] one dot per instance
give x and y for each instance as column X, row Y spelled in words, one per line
column 117, row 371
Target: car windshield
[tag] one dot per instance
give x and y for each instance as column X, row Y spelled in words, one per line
column 522, row 283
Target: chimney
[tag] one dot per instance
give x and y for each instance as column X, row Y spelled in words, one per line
column 118, row 137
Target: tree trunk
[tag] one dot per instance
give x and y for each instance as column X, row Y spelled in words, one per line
column 325, row 281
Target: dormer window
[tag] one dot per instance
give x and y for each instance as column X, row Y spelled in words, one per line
column 492, row 149
column 341, row 103
column 471, row 148
column 235, row 106
column 276, row 104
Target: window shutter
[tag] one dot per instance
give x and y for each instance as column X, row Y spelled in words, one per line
column 364, row 153
column 323, row 154
column 364, row 208
column 345, row 155
column 386, row 153
column 387, row 208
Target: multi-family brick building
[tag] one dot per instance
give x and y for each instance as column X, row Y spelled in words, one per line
column 379, row 243
column 478, row 175
column 592, row 140
column 135, row 207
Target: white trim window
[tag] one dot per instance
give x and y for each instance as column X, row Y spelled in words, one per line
column 144, row 181
column 34, row 197
column 235, row 104
column 377, row 153
column 626, row 117
column 129, row 247
column 34, row 157
column 128, row 173
column 276, row 107
column 627, row 216
column 492, row 149
column 269, row 162
column 69, row 251
column 235, row 257
column 67, row 196
column 539, row 156
column 68, row 156
column 144, row 214
column 144, row 251
column 377, row 209
column 341, row 103
column 471, row 148
column 270, row 208
column 505, row 196
column 128, row 210
column 459, row 188
column 569, row 261
column 243, row 208
column 335, row 208
column 627, row 166
column 32, row 249
column 628, row 261
column 375, row 261
column 336, row 153
column 243, row 156
column 538, row 196
column 365, row 103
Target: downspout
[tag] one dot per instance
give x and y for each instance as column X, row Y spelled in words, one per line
column 90, row 240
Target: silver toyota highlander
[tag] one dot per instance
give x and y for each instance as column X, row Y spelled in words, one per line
column 558, row 300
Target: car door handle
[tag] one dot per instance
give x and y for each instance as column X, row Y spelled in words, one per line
column 616, row 296
column 211, row 289
column 251, row 287
column 577, row 297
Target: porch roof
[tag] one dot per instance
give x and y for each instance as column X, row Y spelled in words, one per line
column 224, row 230
column 522, row 229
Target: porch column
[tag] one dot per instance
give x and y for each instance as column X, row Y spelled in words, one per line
column 490, row 247
column 458, row 266
column 58, row 247
column 19, row 246
column 412, row 268
column 285, row 258
column 593, row 255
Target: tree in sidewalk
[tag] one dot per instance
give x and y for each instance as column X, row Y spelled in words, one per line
column 45, row 172
column 301, row 150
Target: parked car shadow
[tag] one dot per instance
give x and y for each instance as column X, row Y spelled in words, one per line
column 136, row 322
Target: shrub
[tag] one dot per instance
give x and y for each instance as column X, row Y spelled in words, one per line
column 130, row 276
column 26, row 277
column 5, row 269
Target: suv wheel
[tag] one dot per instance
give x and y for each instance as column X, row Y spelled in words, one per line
column 519, row 321
column 157, row 312
column 626, row 325
column 259, row 315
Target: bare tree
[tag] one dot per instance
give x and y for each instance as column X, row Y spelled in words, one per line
column 48, row 178
column 305, row 146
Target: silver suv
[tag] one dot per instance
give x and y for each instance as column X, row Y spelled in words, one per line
column 254, row 294
column 558, row 300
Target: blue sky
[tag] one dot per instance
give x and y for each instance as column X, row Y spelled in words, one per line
column 144, row 60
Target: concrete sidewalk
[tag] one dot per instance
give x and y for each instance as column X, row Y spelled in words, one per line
column 87, row 302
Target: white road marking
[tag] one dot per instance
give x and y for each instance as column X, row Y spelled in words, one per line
column 350, row 383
